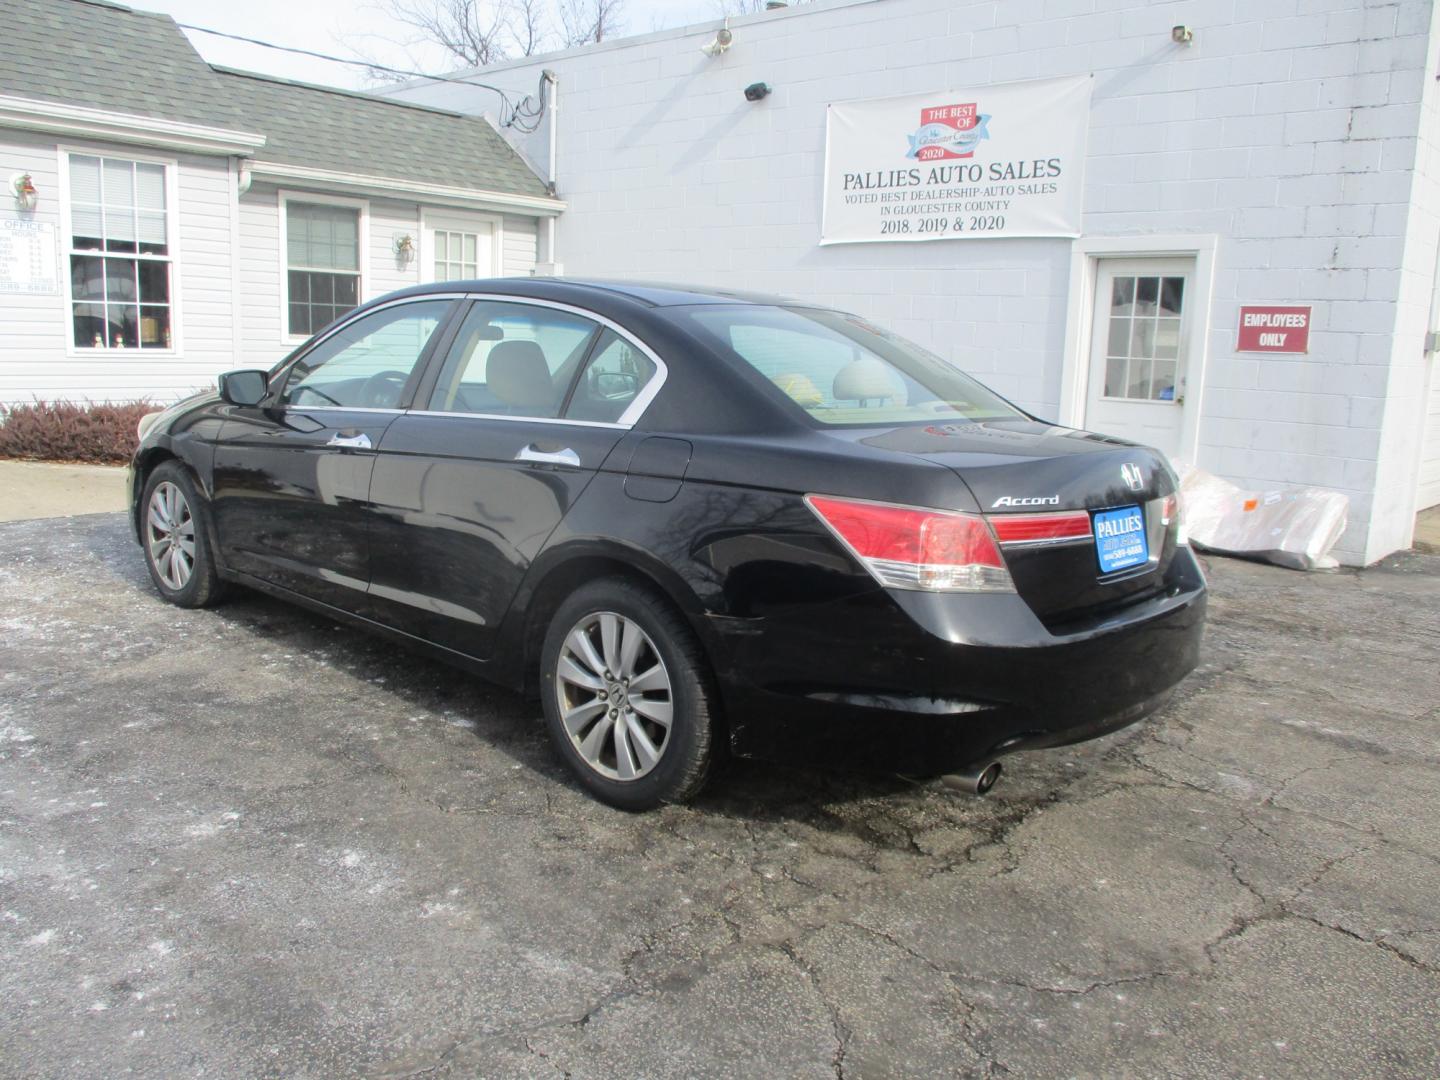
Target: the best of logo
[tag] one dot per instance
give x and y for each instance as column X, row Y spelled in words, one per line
column 948, row 131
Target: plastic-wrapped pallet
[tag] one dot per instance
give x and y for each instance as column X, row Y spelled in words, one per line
column 1296, row 528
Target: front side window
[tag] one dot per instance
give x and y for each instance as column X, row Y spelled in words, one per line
column 322, row 253
column 841, row 369
column 367, row 364
column 512, row 360
column 119, row 254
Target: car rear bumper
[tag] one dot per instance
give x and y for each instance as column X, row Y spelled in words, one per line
column 926, row 683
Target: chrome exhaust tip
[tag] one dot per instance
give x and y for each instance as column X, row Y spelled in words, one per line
column 973, row 781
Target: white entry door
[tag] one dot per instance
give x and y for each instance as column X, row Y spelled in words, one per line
column 1136, row 387
column 459, row 247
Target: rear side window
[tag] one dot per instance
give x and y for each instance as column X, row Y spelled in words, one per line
column 512, row 360
column 613, row 378
column 843, row 370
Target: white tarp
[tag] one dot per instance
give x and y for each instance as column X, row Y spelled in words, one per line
column 992, row 161
column 1295, row 528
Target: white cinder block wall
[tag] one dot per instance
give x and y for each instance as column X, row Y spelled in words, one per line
column 1287, row 129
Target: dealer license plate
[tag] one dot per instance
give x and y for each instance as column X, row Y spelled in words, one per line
column 1120, row 539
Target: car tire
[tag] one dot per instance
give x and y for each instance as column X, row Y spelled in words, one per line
column 173, row 509
column 603, row 727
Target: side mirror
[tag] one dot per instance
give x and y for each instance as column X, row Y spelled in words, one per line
column 614, row 384
column 244, row 387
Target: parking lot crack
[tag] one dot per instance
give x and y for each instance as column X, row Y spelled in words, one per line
column 841, row 1030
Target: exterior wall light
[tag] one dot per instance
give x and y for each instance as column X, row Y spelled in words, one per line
column 1181, row 35
column 24, row 188
column 721, row 42
column 404, row 249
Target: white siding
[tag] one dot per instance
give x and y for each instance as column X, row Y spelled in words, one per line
column 517, row 256
column 1287, row 129
column 259, row 329
column 35, row 361
column 32, row 341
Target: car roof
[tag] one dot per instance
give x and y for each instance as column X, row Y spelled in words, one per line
column 648, row 294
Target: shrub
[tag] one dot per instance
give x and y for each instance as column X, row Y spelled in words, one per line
column 61, row 431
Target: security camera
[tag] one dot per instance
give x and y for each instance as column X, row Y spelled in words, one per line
column 757, row 91
column 722, row 41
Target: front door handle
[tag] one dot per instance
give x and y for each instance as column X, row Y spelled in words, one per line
column 350, row 442
column 549, row 457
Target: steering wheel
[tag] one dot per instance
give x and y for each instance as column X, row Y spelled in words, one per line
column 382, row 390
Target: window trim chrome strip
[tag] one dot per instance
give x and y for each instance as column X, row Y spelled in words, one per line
column 627, row 419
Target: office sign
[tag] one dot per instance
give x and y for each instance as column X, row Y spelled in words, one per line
column 1274, row 329
column 983, row 162
column 28, row 261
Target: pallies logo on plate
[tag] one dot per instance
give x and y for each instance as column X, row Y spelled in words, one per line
column 948, row 131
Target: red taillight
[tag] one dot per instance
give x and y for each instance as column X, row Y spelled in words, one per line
column 1041, row 528
column 907, row 547
column 1172, row 517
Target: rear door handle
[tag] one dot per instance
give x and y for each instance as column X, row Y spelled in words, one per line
column 350, row 442
column 549, row 457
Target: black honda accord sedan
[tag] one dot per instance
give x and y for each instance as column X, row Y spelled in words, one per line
column 689, row 520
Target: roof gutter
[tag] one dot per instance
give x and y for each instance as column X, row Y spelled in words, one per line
column 393, row 188
column 78, row 120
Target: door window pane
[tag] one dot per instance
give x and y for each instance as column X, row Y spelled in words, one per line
column 512, row 360
column 1143, row 337
column 366, row 364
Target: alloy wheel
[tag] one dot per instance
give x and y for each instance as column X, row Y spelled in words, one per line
column 170, row 535
column 615, row 697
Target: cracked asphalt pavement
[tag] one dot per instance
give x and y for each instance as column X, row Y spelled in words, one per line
column 248, row 842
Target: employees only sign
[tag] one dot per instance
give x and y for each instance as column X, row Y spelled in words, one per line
column 1274, row 329
column 1002, row 160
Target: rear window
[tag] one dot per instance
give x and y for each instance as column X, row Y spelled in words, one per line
column 842, row 369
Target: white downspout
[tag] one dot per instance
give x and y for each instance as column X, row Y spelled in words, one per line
column 553, row 81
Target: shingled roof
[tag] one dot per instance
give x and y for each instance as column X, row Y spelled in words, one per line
column 374, row 136
column 102, row 55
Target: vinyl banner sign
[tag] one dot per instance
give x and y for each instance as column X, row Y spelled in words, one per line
column 1003, row 160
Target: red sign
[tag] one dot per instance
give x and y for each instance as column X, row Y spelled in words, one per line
column 1274, row 329
column 943, row 132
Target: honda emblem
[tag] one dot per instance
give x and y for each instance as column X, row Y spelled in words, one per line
column 1133, row 476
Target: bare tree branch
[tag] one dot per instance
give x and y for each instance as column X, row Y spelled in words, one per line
column 529, row 26
column 583, row 22
column 474, row 32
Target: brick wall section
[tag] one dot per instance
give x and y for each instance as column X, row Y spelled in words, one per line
column 1288, row 128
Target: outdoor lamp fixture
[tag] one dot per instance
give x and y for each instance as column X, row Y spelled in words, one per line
column 404, row 248
column 1181, row 35
column 757, row 91
column 721, row 42
column 24, row 188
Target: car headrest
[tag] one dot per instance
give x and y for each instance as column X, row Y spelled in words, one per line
column 862, row 379
column 799, row 388
column 517, row 374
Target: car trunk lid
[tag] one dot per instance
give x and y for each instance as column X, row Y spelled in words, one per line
column 1086, row 522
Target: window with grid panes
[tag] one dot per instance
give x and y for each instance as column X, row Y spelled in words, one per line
column 119, row 254
column 455, row 255
column 1143, row 345
column 322, row 251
